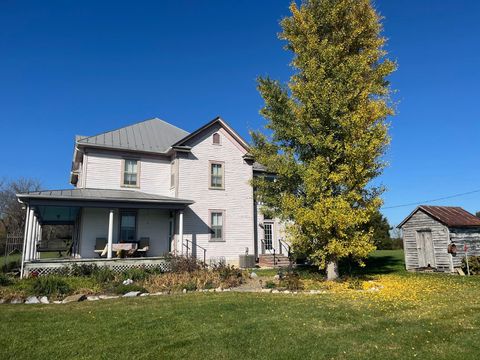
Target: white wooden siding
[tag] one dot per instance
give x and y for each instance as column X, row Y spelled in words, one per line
column 103, row 170
column 236, row 200
column 421, row 221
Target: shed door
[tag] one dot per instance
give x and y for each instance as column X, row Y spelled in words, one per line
column 426, row 254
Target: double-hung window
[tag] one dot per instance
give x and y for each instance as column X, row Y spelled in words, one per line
column 128, row 226
column 217, row 173
column 130, row 173
column 217, row 225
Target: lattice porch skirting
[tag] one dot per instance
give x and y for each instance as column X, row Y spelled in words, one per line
column 44, row 267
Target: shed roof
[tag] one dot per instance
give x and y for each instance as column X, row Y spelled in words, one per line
column 152, row 135
column 451, row 216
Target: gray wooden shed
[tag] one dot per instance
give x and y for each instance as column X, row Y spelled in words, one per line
column 434, row 237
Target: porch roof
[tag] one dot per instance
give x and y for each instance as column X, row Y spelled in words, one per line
column 103, row 198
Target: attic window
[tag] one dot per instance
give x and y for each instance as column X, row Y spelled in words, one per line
column 216, row 138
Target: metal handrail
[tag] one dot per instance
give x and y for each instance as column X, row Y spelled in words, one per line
column 198, row 246
column 284, row 244
column 272, row 250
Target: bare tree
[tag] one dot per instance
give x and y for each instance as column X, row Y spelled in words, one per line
column 12, row 212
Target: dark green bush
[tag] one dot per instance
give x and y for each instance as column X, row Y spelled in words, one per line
column 83, row 269
column 103, row 275
column 270, row 284
column 473, row 264
column 5, row 280
column 50, row 285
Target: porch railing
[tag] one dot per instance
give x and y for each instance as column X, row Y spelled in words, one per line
column 283, row 245
column 189, row 245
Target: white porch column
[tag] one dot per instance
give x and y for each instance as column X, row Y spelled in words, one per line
column 180, row 230
column 33, row 249
column 110, row 234
column 25, row 237
column 28, row 245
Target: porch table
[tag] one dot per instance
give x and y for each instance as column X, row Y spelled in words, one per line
column 130, row 248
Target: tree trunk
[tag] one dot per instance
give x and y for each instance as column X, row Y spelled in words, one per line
column 332, row 270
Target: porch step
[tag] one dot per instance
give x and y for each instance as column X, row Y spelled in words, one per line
column 268, row 260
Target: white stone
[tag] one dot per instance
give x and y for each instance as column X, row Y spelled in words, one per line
column 253, row 275
column 93, row 298
column 286, row 292
column 275, row 291
column 184, row 291
column 57, row 302
column 277, row 277
column 228, row 289
column 132, row 294
column 267, row 290
column 219, row 289
column 107, row 297
column 127, row 282
column 44, row 300
column 2, row 301
column 158, row 294
column 32, row 300
column 144, row 294
column 211, row 290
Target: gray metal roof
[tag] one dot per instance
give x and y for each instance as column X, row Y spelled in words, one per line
column 102, row 195
column 152, row 135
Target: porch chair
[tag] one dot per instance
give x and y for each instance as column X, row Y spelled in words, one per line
column 143, row 245
column 100, row 244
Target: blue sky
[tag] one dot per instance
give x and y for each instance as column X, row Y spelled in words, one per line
column 86, row 67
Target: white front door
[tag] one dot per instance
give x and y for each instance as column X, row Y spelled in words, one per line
column 426, row 253
column 268, row 236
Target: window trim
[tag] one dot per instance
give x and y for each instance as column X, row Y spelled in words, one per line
column 213, row 162
column 219, row 139
column 210, row 212
column 122, row 175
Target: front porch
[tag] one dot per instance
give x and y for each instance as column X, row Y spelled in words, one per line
column 52, row 266
column 114, row 228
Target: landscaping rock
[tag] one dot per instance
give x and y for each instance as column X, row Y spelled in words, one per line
column 32, row 300
column 219, row 289
column 107, row 297
column 275, row 291
column 211, row 290
column 132, row 294
column 267, row 290
column 253, row 275
column 74, row 298
column 158, row 294
column 184, row 291
column 286, row 292
column 57, row 302
column 93, row 298
column 127, row 282
column 16, row 301
column 316, row 292
column 2, row 301
column 44, row 300
column 276, row 277
column 144, row 294
column 226, row 289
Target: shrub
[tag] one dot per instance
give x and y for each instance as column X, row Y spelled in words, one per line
column 136, row 274
column 50, row 286
column 83, row 269
column 291, row 281
column 230, row 276
column 473, row 265
column 103, row 275
column 5, row 280
column 270, row 284
column 179, row 264
column 354, row 283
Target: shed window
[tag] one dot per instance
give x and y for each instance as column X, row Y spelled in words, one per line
column 216, row 138
column 130, row 172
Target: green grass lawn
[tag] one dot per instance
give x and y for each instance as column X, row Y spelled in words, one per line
column 414, row 316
